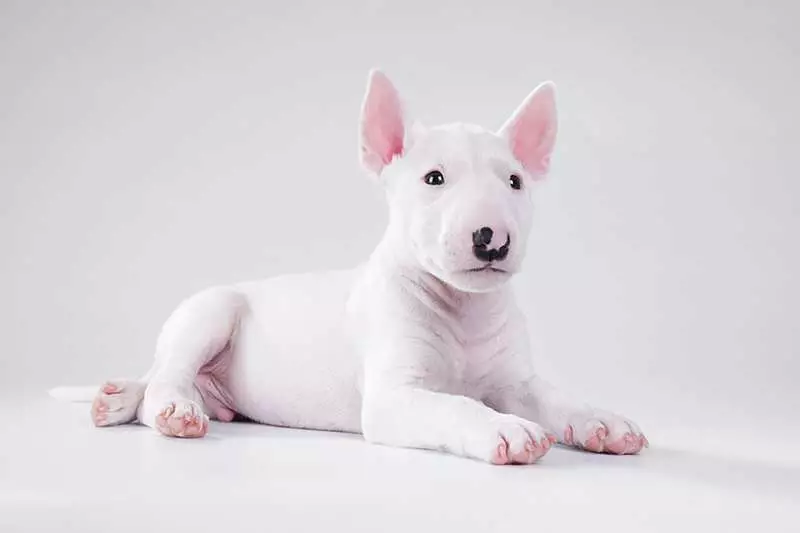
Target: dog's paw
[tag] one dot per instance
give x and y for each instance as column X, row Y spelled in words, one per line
column 604, row 432
column 511, row 440
column 116, row 402
column 183, row 419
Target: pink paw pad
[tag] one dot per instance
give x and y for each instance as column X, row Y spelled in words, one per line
column 533, row 452
column 596, row 442
column 628, row 444
column 569, row 438
column 632, row 443
column 192, row 424
column 609, row 434
column 99, row 412
column 100, row 406
column 110, row 388
column 541, row 448
column 524, row 457
column 620, row 446
column 501, row 454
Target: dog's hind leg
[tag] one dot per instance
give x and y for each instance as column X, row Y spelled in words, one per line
column 117, row 401
column 194, row 338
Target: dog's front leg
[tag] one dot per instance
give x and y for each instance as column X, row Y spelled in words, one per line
column 575, row 423
column 399, row 410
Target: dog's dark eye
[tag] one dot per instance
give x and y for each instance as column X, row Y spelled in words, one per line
column 434, row 177
column 515, row 182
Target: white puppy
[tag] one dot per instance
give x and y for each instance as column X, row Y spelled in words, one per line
column 422, row 346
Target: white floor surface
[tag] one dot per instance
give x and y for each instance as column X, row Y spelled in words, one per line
column 58, row 473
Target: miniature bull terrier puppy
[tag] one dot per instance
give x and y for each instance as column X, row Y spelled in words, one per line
column 422, row 346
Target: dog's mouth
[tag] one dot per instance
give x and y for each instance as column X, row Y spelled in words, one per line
column 482, row 278
column 489, row 267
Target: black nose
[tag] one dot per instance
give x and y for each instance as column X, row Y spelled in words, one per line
column 482, row 237
column 480, row 241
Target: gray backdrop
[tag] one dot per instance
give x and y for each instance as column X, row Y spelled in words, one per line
column 150, row 149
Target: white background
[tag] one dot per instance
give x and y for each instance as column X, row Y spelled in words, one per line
column 151, row 149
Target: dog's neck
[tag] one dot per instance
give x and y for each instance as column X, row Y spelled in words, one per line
column 396, row 262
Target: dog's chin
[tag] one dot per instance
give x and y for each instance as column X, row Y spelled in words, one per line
column 480, row 279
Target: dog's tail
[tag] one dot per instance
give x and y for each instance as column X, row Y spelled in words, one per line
column 87, row 394
column 74, row 394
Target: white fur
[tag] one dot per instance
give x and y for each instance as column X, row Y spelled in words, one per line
column 410, row 348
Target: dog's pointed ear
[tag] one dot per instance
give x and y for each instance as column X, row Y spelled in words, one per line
column 531, row 130
column 381, row 128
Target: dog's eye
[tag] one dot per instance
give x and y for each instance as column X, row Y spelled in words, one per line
column 515, row 182
column 434, row 177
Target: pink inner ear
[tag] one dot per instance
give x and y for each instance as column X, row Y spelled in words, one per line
column 532, row 132
column 382, row 128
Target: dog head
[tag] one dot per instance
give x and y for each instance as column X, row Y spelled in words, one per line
column 459, row 195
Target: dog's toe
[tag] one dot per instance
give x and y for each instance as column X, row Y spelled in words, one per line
column 116, row 403
column 182, row 419
column 603, row 432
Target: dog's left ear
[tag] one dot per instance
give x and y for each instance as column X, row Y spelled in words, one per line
column 381, row 128
column 531, row 130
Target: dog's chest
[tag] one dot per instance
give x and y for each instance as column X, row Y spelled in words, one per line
column 473, row 350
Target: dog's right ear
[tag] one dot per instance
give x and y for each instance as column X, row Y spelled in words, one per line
column 381, row 128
